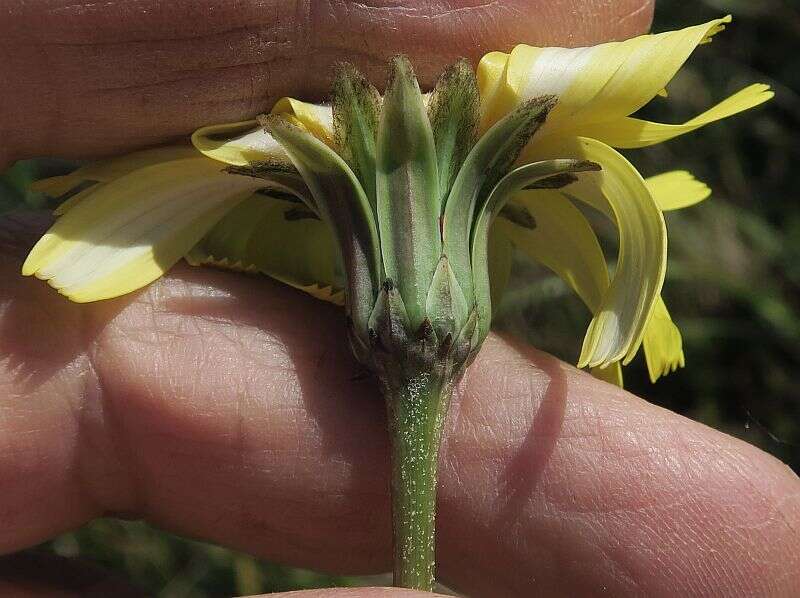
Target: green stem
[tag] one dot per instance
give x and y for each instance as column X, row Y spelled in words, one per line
column 416, row 413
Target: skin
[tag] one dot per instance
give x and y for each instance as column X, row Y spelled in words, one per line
column 223, row 407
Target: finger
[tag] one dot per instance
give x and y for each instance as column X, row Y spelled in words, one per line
column 227, row 407
column 83, row 79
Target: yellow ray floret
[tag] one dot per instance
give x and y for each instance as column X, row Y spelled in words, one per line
column 244, row 143
column 75, row 199
column 317, row 119
column 560, row 237
column 677, row 190
column 594, row 84
column 238, row 144
column 134, row 228
column 619, row 192
column 109, row 169
column 632, row 133
column 663, row 344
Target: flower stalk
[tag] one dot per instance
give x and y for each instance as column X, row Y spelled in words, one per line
column 416, row 414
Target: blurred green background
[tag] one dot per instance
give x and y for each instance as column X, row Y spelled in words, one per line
column 733, row 286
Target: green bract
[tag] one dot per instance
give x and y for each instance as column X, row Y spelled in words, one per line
column 410, row 195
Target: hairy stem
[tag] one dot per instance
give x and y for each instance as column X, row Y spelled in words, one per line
column 416, row 412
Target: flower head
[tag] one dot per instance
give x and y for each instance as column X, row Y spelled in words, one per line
column 409, row 205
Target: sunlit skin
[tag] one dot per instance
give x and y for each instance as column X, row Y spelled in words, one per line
column 550, row 482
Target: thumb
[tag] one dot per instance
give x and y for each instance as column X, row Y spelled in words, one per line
column 83, row 79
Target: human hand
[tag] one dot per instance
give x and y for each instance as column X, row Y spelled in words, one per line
column 223, row 407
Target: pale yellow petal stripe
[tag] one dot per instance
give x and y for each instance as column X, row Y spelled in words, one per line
column 676, row 190
column 663, row 345
column 593, row 84
column 133, row 229
column 316, row 118
column 238, row 144
column 630, row 132
column 619, row 191
column 112, row 168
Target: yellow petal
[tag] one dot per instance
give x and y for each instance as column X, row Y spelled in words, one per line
column 663, row 345
column 498, row 97
column 676, row 190
column 629, row 132
column 592, row 84
column 105, row 171
column 316, row 118
column 112, row 168
column 129, row 232
column 278, row 238
column 620, row 192
column 56, row 186
column 562, row 240
column 238, row 144
column 138, row 266
column 246, row 142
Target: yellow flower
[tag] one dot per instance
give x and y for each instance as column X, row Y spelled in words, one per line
column 127, row 220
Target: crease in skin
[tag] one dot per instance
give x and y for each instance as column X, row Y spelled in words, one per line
column 636, row 11
column 116, row 490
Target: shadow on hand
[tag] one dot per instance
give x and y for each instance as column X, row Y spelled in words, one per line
column 311, row 335
column 41, row 332
column 525, row 468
